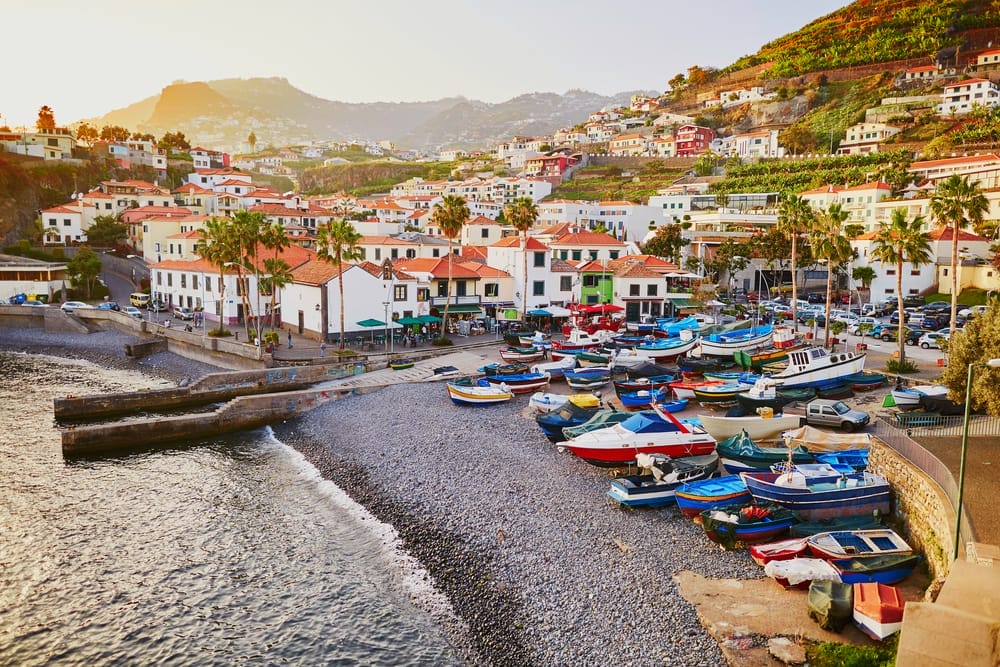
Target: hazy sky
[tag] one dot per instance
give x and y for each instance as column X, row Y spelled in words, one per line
column 86, row 58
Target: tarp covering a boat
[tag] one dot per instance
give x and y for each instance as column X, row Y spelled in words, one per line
column 831, row 604
column 816, row 440
column 941, row 405
column 648, row 423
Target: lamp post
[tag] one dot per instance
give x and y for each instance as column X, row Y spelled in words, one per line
column 386, row 305
column 992, row 363
column 257, row 285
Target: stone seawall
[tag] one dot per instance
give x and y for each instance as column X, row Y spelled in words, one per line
column 920, row 504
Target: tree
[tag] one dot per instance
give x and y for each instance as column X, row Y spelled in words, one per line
column 106, row 231
column 246, row 232
column 865, row 275
column 337, row 243
column 897, row 242
column 829, row 243
column 175, row 142
column 979, row 341
column 521, row 214
column 450, row 216
column 677, row 82
column 84, row 268
column 143, row 136
column 216, row 246
column 46, row 119
column 86, row 134
column 115, row 133
column 667, row 242
column 798, row 139
column 252, row 140
column 795, row 217
column 853, row 231
column 957, row 202
column 274, row 238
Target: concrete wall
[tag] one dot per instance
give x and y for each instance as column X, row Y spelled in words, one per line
column 920, row 504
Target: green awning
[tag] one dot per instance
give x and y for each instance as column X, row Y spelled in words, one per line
column 464, row 308
column 429, row 319
column 408, row 321
column 683, row 303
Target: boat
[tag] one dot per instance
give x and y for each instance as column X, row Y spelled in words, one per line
column 856, row 543
column 401, row 364
column 909, row 397
column 859, row 522
column 600, row 419
column 746, row 524
column 718, row 395
column 758, row 428
column 889, row 569
column 814, row 366
column 695, row 497
column 817, row 498
column 629, row 386
column 729, row 377
column 786, row 549
column 831, row 604
column 655, row 488
column 587, row 359
column 555, row 368
column 916, row 418
column 482, row 393
column 626, row 359
column 504, row 369
column 685, row 388
column 647, row 432
column 523, row 354
column 726, row 344
column 537, row 339
column 635, row 400
column 521, row 383
column 782, row 342
column 546, row 402
column 740, row 453
column 648, row 369
column 593, row 377
column 878, row 610
column 568, row 414
column 667, row 349
column 836, row 393
column 762, row 394
column 818, row 441
column 673, row 327
column 697, row 365
column 799, row 572
column 856, row 459
column 579, row 340
column 866, row 381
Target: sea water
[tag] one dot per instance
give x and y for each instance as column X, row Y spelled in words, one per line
column 224, row 551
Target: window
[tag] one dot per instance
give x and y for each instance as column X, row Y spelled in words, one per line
column 614, row 253
column 378, row 254
column 651, row 290
column 183, row 280
column 194, row 281
column 633, row 290
column 945, row 272
column 593, row 255
column 170, row 280
column 399, row 293
column 208, row 283
column 492, row 289
column 539, row 259
column 565, row 283
column 577, row 255
column 53, row 222
column 914, row 272
column 442, row 288
column 890, row 272
column 538, row 287
column 435, row 253
column 394, row 253
column 484, row 233
column 66, row 222
column 590, row 281
column 423, row 294
column 159, row 278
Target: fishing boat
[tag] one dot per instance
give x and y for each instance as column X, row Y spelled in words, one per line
column 648, row 369
column 889, row 569
column 626, row 359
column 782, row 342
column 878, row 610
column 856, row 543
column 685, row 388
column 546, row 402
column 856, row 459
column 522, row 383
column 667, row 349
column 659, row 476
column 817, row 498
column 555, row 368
column 758, row 428
column 726, row 344
column 587, row 359
column 696, row 497
column 831, row 604
column 814, row 366
column 600, row 419
column 718, row 395
column 800, row 572
column 522, row 354
column 729, row 377
column 762, row 394
column 629, row 386
column 673, row 327
column 537, row 339
column 579, row 340
column 401, row 364
column 786, row 549
column 698, row 365
column 835, row 392
column 909, row 397
column 648, row 432
column 866, row 381
column 739, row 453
column 643, row 400
column 482, row 393
column 504, row 369
column 733, row 525
column 588, row 379
column 857, row 522
column 568, row 414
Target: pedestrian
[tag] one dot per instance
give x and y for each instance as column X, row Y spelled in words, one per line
column 289, row 340
column 423, row 330
column 322, row 349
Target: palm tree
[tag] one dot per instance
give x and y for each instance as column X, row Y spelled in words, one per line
column 521, row 214
column 865, row 275
column 274, row 238
column 958, row 202
column 246, row 231
column 216, row 246
column 897, row 242
column 338, row 243
column 829, row 243
column 450, row 216
column 795, row 217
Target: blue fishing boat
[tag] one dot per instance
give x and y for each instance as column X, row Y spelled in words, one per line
column 673, row 327
column 727, row 344
column 569, row 414
column 628, row 386
column 889, row 569
column 591, row 377
column 667, row 349
column 818, row 498
column 696, row 497
column 746, row 524
column 520, row 383
column 659, row 476
column 857, row 459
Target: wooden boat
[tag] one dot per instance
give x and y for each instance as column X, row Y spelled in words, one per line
column 866, row 381
column 735, row 525
column 856, row 459
column 648, row 432
column 739, row 453
column 537, row 339
column 568, row 414
column 793, row 547
column 587, row 359
column 523, row 354
column 696, row 497
column 588, row 379
column 515, row 368
column 479, row 394
column 600, row 419
column 685, row 388
column 817, row 498
column 555, row 368
column 763, row 394
column 799, row 572
column 726, row 344
column 401, row 364
column 729, row 377
column 546, row 402
column 579, row 340
column 637, row 400
column 857, row 522
column 655, row 488
column 522, row 383
column 699, row 365
column 831, row 604
column 758, row 428
column 782, row 342
column 667, row 349
column 909, row 397
column 718, row 395
column 856, row 543
column 878, row 610
column 629, row 386
column 890, row 569
column 814, row 366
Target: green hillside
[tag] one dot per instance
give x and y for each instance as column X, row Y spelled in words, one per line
column 362, row 179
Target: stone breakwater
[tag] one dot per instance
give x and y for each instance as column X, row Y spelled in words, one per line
column 521, row 538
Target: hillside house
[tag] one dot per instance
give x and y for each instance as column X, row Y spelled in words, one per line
column 692, row 140
column 961, row 97
column 865, row 138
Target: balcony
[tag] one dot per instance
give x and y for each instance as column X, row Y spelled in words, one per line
column 467, row 300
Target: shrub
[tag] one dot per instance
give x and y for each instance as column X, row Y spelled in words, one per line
column 441, row 342
column 900, row 367
column 220, row 333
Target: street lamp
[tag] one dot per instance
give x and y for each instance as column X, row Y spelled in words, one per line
column 992, row 363
column 257, row 285
column 386, row 304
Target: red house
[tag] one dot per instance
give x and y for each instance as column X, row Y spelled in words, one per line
column 692, row 140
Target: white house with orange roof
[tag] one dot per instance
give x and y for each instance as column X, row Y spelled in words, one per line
column 920, row 74
column 629, row 145
column 624, row 220
column 199, row 200
column 204, row 158
column 863, row 138
column 983, row 170
column 497, row 288
column 961, row 97
column 534, row 289
column 587, row 246
column 182, row 246
column 482, row 231
column 418, row 186
column 377, row 248
column 858, row 201
column 662, row 147
column 763, row 143
column 209, row 178
column 155, row 235
column 63, row 225
column 432, row 294
column 986, row 61
column 560, row 211
column 599, row 132
column 288, row 216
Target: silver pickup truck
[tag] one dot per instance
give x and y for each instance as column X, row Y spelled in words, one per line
column 836, row 414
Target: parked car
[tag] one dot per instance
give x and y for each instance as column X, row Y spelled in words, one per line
column 913, row 316
column 972, row 311
column 108, row 305
column 935, row 322
column 820, row 317
column 184, row 313
column 913, row 334
column 71, row 306
column 824, row 412
column 816, row 297
column 157, row 306
column 132, row 311
column 34, row 302
column 870, row 321
column 935, row 307
column 913, row 301
column 932, row 339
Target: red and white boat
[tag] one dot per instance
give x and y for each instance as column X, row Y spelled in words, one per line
column 878, row 609
column 685, row 388
column 642, row 433
column 579, row 340
column 763, row 554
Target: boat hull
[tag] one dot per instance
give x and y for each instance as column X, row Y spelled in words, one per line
column 728, row 344
column 878, row 610
column 857, row 544
column 693, row 499
column 614, row 455
column 729, row 527
column 660, row 354
column 837, row 366
column 821, row 499
column 758, row 428
column 478, row 395
column 648, row 491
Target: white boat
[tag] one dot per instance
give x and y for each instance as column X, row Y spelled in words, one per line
column 725, row 344
column 857, row 543
column 909, row 397
column 814, row 366
column 878, row 609
column 579, row 340
column 556, row 368
column 667, row 349
column 627, row 359
column 478, row 394
column 758, row 428
column 547, row 402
